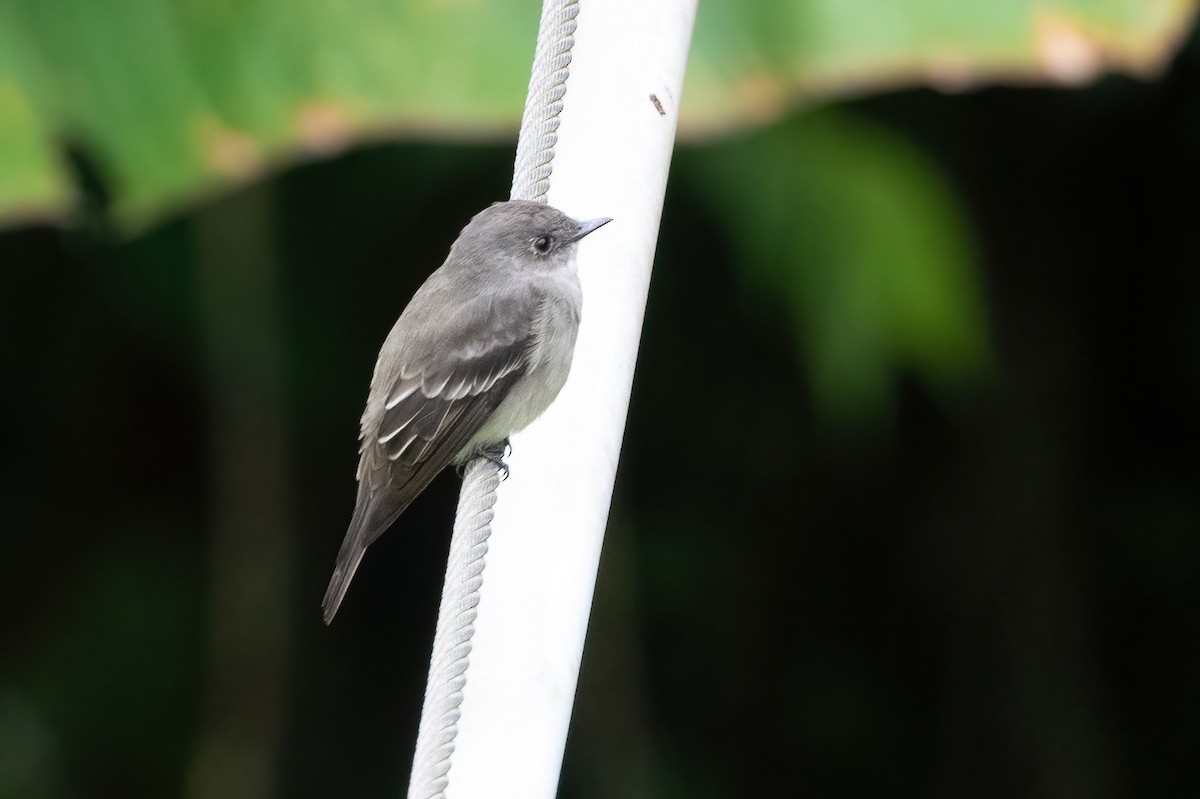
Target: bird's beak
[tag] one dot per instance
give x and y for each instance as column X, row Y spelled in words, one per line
column 587, row 226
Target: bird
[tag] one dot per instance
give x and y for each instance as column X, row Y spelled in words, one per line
column 481, row 350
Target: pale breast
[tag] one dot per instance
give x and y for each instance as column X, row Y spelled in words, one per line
column 550, row 363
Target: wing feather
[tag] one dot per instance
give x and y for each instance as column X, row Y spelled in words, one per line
column 434, row 394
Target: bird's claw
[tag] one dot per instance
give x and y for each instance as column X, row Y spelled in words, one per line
column 495, row 454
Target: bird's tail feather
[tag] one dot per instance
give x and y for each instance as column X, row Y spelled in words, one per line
column 361, row 533
column 374, row 513
column 343, row 573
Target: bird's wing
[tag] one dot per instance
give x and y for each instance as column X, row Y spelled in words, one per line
column 421, row 416
column 441, row 403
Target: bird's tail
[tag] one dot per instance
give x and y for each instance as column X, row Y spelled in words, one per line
column 364, row 528
column 374, row 512
column 347, row 563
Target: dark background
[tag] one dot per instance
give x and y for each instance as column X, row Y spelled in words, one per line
column 987, row 590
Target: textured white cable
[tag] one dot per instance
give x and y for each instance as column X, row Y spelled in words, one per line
column 468, row 544
column 544, row 100
column 611, row 158
column 452, row 639
column 506, row 728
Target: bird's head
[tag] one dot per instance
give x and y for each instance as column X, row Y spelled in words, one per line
column 532, row 234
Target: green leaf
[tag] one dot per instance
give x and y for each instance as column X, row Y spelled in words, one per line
column 756, row 60
column 30, row 184
column 174, row 99
column 856, row 233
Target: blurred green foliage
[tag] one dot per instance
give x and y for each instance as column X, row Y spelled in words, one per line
column 854, row 231
column 173, row 99
column 907, row 500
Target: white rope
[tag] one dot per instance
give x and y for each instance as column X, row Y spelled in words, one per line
column 544, row 101
column 455, row 625
column 472, row 523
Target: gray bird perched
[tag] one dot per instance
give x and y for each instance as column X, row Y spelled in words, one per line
column 482, row 349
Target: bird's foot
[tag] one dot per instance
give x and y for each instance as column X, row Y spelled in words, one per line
column 494, row 454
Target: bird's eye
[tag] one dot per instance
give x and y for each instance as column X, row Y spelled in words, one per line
column 542, row 244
